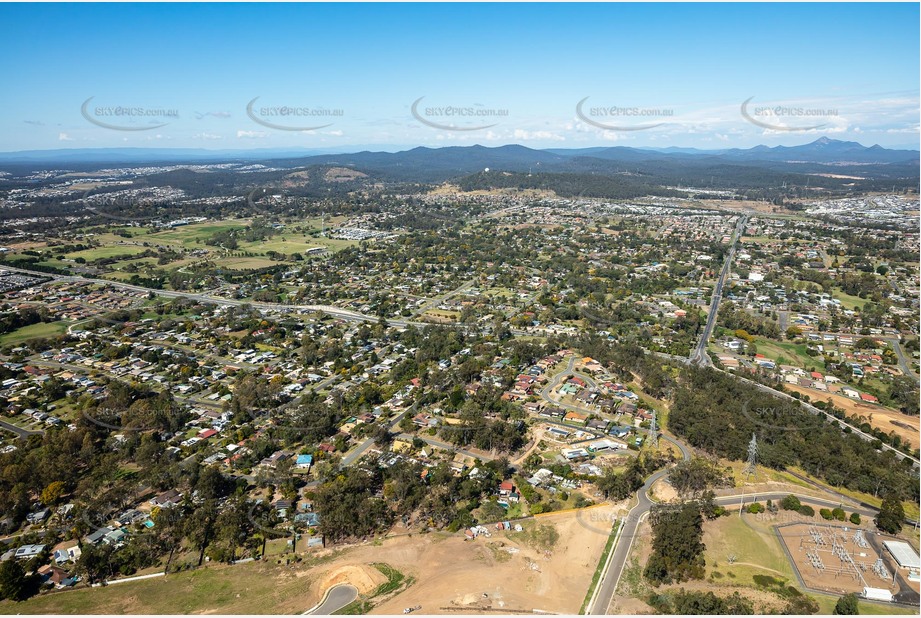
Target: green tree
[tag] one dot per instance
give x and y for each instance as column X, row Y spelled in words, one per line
column 891, row 515
column 52, row 493
column 14, row 584
column 847, row 605
column 677, row 549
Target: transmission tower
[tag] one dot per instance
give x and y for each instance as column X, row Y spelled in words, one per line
column 654, row 431
column 752, row 456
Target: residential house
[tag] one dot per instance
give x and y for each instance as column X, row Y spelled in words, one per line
column 167, row 499
column 27, row 552
column 303, row 462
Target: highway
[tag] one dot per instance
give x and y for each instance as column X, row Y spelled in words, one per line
column 699, row 354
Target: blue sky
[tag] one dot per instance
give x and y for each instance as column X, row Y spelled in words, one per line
column 852, row 70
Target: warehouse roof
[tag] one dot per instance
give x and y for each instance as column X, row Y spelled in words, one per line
column 904, row 554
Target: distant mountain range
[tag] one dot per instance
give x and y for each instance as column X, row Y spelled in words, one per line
column 131, row 155
column 823, row 150
column 434, row 164
column 759, row 166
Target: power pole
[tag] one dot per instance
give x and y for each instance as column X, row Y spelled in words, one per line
column 653, row 431
column 752, row 456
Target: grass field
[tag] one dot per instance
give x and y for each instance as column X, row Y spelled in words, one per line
column 106, row 251
column 244, row 263
column 34, row 331
column 287, row 243
column 758, row 552
column 189, row 236
column 827, row 607
column 756, row 549
column 294, row 238
column 911, row 509
column 251, row 588
column 787, row 353
column 848, row 301
column 439, row 315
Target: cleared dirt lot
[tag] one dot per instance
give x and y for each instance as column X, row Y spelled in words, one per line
column 905, row 427
column 452, row 575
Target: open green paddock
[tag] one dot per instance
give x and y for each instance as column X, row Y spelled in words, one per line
column 34, row 331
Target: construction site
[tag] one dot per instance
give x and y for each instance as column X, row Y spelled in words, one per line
column 842, row 559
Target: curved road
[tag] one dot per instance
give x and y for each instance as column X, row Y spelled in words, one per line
column 336, row 598
column 617, row 559
column 558, row 378
column 19, row 431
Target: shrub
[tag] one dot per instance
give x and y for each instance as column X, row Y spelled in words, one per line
column 806, row 510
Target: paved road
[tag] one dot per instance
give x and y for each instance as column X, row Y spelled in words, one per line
column 814, row 410
column 19, row 431
column 338, row 312
column 808, row 407
column 434, row 302
column 699, row 353
column 617, row 559
column 356, row 453
column 336, row 598
column 904, row 364
column 448, row 447
column 557, row 379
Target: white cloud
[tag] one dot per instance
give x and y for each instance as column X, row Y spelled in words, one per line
column 207, row 136
column 541, row 135
column 64, row 137
column 252, row 134
column 913, row 129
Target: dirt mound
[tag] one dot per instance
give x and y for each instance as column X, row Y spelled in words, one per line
column 365, row 578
